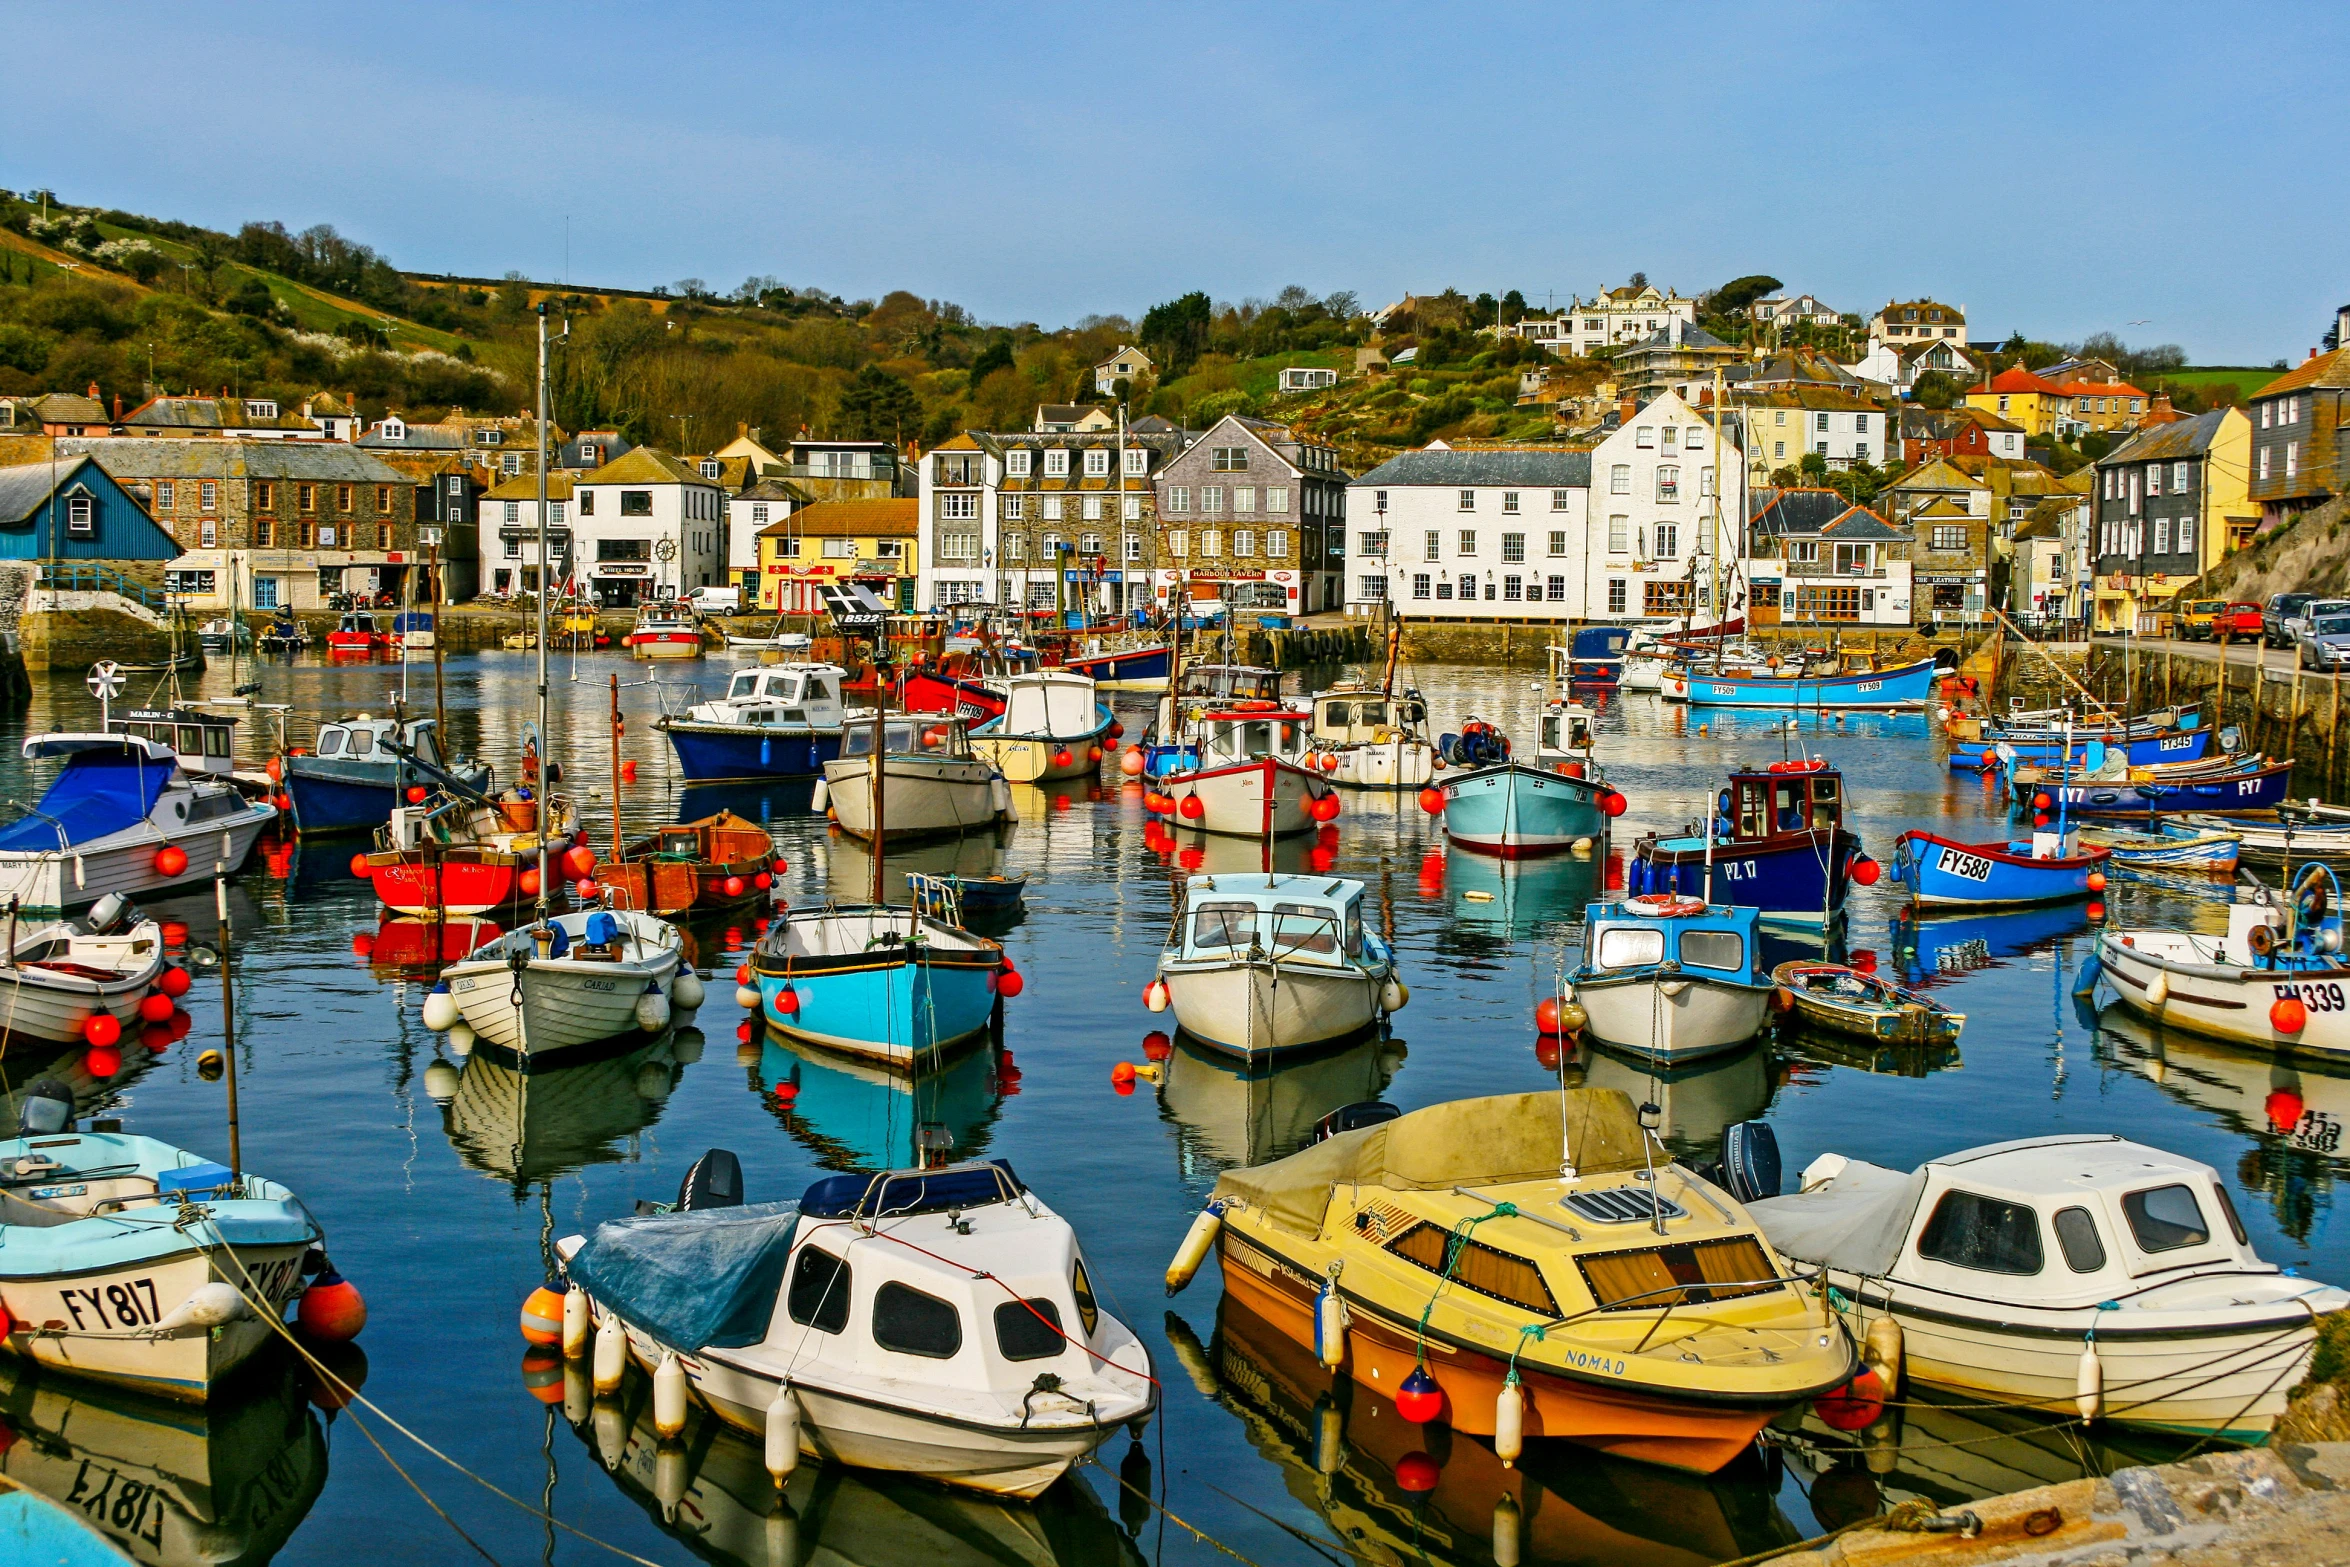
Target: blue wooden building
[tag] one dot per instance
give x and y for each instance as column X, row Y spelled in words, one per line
column 73, row 510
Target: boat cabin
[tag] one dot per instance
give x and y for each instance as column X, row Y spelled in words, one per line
column 206, row 742
column 1232, row 682
column 1049, row 707
column 1717, row 939
column 665, row 614
column 1225, row 738
column 1594, row 657
column 917, row 734
column 1566, row 729
column 1347, row 717
column 780, row 694
column 2083, row 1218
column 1784, row 799
column 365, row 739
column 1297, row 919
column 412, row 620
column 356, row 623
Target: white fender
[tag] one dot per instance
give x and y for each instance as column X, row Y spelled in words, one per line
column 1509, row 1422
column 747, row 997
column 783, row 1436
column 575, row 1323
column 1329, row 1326
column 1194, row 1249
column 2089, row 1382
column 1881, row 1353
column 440, row 1012
column 2158, row 989
column 686, row 990
column 669, row 1397
column 611, row 1359
column 652, row 1012
column 207, row 1306
column 1395, row 995
column 820, row 798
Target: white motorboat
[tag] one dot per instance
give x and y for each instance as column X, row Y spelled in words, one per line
column 222, row 634
column 1262, row 965
column 1365, row 739
column 59, row 975
column 931, row 783
column 580, row 978
column 1670, row 978
column 939, row 1323
column 1052, row 727
column 1252, row 780
column 2276, row 980
column 2077, row 1274
column 779, row 721
column 123, row 817
column 135, row 1262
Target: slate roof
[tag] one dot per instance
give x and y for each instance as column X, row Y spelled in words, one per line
column 1804, row 511
column 775, row 490
column 216, row 457
column 898, row 517
column 2163, row 442
column 1562, row 470
column 2329, row 370
column 208, row 413
column 27, row 489
column 1858, row 523
column 63, row 407
column 415, row 438
column 643, row 465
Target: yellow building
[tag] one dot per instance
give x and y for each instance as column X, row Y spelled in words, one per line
column 2020, row 397
column 869, row 541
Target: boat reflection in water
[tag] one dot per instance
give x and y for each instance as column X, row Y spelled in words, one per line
column 524, row 1127
column 1230, row 1114
column 2293, row 1112
column 1392, row 1491
column 853, row 1114
column 1518, row 899
column 710, row 1490
column 1932, row 949
column 848, row 862
column 1945, row 1448
column 167, row 1482
column 1697, row 1099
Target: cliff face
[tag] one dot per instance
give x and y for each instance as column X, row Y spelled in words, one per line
column 2310, row 555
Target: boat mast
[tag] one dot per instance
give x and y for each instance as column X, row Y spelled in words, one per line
column 546, row 812
column 1713, row 555
column 616, row 727
column 874, row 775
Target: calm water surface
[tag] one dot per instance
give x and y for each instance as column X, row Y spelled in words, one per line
column 441, row 1182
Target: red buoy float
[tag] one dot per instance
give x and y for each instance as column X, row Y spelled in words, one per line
column 103, row 1060
column 102, row 1028
column 1854, row 1406
column 2042, row 802
column 762, row 881
column 1008, row 983
column 529, row 882
column 174, row 981
column 1432, row 800
column 358, row 865
column 2097, row 881
column 170, row 860
column 155, row 1007
column 332, row 1310
column 585, row 887
column 1865, row 871
column 416, row 794
column 1190, row 809
column 580, row 861
column 733, row 886
column 2287, row 1015
column 1419, row 1399
column 787, row 1001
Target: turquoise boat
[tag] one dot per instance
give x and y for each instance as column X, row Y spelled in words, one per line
column 35, row 1529
column 1911, row 685
column 1518, row 811
column 889, row 984
column 854, row 1114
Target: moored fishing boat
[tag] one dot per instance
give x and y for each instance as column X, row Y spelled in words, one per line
column 1518, row 811
column 1904, row 686
column 2276, row 980
column 1199, row 689
column 1777, row 843
column 1372, row 739
column 131, row 1261
column 1249, row 779
column 412, row 630
column 1052, row 727
column 2161, row 1315
column 2050, row 867
column 1849, row 1000
column 56, row 977
column 933, row 1322
column 358, row 769
column 126, row 815
column 2286, row 835
column 1127, row 669
column 878, row 981
column 569, row 980
column 1270, row 964
column 1670, row 978
column 2174, row 849
column 778, row 721
column 2162, row 737
column 931, row 783
column 665, row 629
column 718, row 862
column 1530, row 1207
column 2253, row 789
column 462, row 854
column 357, row 633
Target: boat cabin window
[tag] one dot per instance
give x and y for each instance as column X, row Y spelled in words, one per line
column 420, row 741
column 2076, row 1237
column 819, row 1293
column 913, row 1323
column 1721, row 949
column 1486, row 1269
column 1301, row 927
column 1787, row 806
column 1982, row 1233
column 1753, row 822
column 1224, row 925
column 1354, row 930
column 1826, row 805
column 2165, row 1218
column 1629, row 946
column 2227, row 1208
column 1019, row 1333
column 330, row 742
column 819, row 689
column 1656, row 1277
column 744, row 685
column 1081, row 1285
column 1337, row 715
column 362, row 742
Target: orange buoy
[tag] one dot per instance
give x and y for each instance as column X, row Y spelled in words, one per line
column 2288, row 1015
column 542, row 1316
column 542, row 1374
column 1123, row 1072
column 1009, row 983
column 101, row 1028
column 332, row 1310
column 174, row 981
column 416, row 794
column 358, row 865
column 733, row 886
column 155, row 1007
column 170, row 860
column 2097, row 881
column 628, row 771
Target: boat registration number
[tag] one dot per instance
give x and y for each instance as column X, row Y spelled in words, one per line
column 2316, row 1132
column 119, row 1505
column 60, row 1191
column 1870, row 687
column 2325, row 997
column 1966, row 867
column 130, row 1304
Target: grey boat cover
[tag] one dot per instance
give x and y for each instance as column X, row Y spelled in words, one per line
column 706, row 1278
column 1853, row 1223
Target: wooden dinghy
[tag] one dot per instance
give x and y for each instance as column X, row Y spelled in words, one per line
column 718, row 862
column 1847, row 1000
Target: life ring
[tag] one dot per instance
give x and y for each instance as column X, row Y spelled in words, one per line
column 1812, row 766
column 1665, row 906
column 1256, row 707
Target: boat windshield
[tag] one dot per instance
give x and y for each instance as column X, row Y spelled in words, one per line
column 1630, row 946
column 330, row 742
column 1714, row 949
column 745, row 684
column 1305, row 928
column 906, row 739
column 1224, row 925
column 362, row 742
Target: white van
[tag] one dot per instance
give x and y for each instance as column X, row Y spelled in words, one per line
column 716, row 601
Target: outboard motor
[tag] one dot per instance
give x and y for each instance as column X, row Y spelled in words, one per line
column 47, row 1108
column 715, row 1181
column 1750, row 1161
column 107, row 914
column 1354, row 1117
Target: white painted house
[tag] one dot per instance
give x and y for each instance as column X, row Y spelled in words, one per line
column 1653, row 518
column 1494, row 535
column 645, row 525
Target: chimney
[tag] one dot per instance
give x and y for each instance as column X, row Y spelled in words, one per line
column 93, row 391
column 118, row 409
column 1627, row 408
column 742, row 430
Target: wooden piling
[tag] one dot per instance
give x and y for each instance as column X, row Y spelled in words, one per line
column 2293, row 715
column 2333, row 734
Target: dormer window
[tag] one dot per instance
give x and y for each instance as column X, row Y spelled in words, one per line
column 1016, row 464
column 394, row 430
column 258, row 409
column 1097, row 462
column 587, row 452
column 490, row 437
column 1056, row 463
column 709, row 468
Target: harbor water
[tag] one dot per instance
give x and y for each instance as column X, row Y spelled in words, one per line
column 442, row 1182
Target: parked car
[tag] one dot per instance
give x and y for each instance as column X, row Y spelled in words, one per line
column 2194, row 618
column 2276, row 621
column 2239, row 621
column 2324, row 642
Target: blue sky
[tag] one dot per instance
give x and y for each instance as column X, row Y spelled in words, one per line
column 2058, row 170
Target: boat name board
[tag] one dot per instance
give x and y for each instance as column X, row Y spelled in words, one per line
column 1584, row 1360
column 59, row 1191
column 1966, row 867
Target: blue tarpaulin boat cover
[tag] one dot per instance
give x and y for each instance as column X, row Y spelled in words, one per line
column 701, row 1279
column 100, row 792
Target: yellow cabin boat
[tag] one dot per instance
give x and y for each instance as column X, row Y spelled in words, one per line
column 1449, row 1240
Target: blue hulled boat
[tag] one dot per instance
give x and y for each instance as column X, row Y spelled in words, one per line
column 2146, row 748
column 1595, row 658
column 1911, row 685
column 1779, row 845
column 779, row 721
column 2254, row 788
column 1519, row 812
column 2050, row 867
column 1133, row 669
column 1670, row 978
column 886, row 983
column 359, row 770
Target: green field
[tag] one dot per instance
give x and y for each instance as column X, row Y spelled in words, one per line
column 2247, row 379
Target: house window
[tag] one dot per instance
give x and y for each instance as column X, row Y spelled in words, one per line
column 1468, row 542
column 1133, row 548
column 1016, row 463
column 2178, row 478
column 1467, row 502
column 1092, row 508
column 456, row 484
column 2186, row 535
column 1179, row 497
column 209, row 494
column 164, row 495
column 1097, row 462
column 1051, row 508
column 1015, row 547
column 2263, row 471
column 81, row 515
column 1433, row 545
column 1244, row 541
column 1860, row 451
column 1803, row 551
column 262, row 494
column 1089, row 544
column 1512, row 588
column 840, row 549
column 1468, row 584
column 1228, row 459
column 1138, row 461
column 1619, row 479
column 1645, row 438
column 1616, row 591
column 1619, row 536
column 1277, row 497
column 1949, row 541
column 1244, row 498
column 1420, row 585
column 2154, row 478
column 1664, row 598
column 1668, row 483
column 1513, row 547
column 2162, row 535
column 587, row 503
column 2292, row 458
column 1778, row 450
column 1373, row 589
column 383, row 536
column 1211, row 542
column 1375, row 545
column 636, row 503
column 306, row 536
column 514, row 547
column 342, row 498
column 265, row 537
column 1277, row 543
column 383, row 498
column 1509, row 500
column 1211, row 497
column 1010, row 508
column 1668, row 540
column 1555, row 590
column 513, row 513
